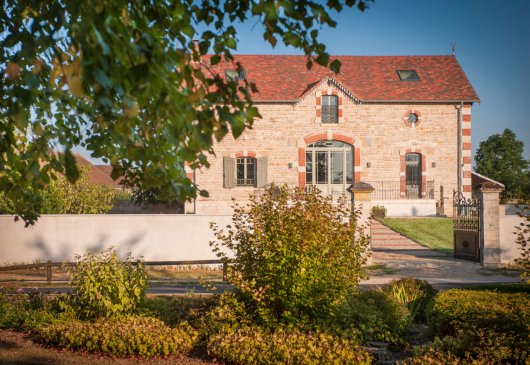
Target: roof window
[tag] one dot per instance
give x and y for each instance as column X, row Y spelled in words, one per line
column 234, row 75
column 408, row 75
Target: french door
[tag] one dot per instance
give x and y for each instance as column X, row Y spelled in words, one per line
column 329, row 166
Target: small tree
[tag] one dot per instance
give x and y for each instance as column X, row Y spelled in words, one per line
column 500, row 157
column 63, row 197
column 296, row 255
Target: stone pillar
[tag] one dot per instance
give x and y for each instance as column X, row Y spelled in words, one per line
column 361, row 199
column 490, row 250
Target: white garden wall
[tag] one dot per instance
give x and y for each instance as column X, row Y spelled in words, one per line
column 153, row 236
column 408, row 207
column 508, row 220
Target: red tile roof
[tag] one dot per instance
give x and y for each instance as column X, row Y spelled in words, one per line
column 368, row 78
column 97, row 174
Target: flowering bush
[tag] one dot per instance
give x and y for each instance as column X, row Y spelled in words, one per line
column 127, row 336
column 296, row 254
column 254, row 345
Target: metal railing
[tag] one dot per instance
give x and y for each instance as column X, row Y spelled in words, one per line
column 392, row 190
column 49, row 265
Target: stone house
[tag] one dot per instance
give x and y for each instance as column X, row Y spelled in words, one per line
column 400, row 123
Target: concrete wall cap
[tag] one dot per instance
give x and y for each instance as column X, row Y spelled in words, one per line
column 360, row 186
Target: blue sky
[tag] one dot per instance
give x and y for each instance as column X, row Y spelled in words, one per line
column 492, row 45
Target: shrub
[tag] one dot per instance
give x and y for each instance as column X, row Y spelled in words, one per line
column 414, row 294
column 490, row 324
column 293, row 255
column 374, row 315
column 25, row 311
column 254, row 345
column 449, row 350
column 104, row 287
column 173, row 310
column 126, row 336
column 378, row 211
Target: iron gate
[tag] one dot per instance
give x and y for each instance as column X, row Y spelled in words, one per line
column 466, row 227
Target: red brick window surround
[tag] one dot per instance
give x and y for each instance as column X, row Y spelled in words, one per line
column 412, row 118
column 322, row 137
column 403, row 182
column 322, row 106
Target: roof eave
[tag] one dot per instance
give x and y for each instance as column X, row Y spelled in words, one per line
column 378, row 101
column 423, row 101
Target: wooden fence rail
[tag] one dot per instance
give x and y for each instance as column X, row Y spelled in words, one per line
column 49, row 265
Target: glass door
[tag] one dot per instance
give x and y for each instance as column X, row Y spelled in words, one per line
column 329, row 166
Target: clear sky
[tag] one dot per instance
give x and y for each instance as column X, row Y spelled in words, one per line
column 492, row 45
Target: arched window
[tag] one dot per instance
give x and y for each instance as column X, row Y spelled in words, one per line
column 329, row 165
column 413, row 179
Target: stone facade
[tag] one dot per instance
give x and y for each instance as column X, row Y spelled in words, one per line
column 379, row 133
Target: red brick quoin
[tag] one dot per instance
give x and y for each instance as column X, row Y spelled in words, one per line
column 324, row 137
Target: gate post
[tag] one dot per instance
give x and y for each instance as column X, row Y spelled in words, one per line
column 361, row 198
column 490, row 251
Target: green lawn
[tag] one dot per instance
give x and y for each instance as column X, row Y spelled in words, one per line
column 435, row 233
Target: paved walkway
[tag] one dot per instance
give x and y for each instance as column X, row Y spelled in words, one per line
column 402, row 257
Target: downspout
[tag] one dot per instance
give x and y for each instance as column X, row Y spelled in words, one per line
column 459, row 153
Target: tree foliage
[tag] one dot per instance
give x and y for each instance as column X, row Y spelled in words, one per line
column 500, row 158
column 63, row 197
column 296, row 255
column 124, row 78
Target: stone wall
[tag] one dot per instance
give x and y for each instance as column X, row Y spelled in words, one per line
column 379, row 133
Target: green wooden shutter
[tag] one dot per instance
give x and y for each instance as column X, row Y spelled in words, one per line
column 229, row 174
column 262, row 170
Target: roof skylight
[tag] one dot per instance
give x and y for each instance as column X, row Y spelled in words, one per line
column 408, row 75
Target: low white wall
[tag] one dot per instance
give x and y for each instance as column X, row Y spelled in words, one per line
column 153, row 236
column 509, row 248
column 408, row 207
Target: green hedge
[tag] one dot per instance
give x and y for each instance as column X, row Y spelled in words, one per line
column 486, row 324
column 128, row 336
column 254, row 345
column 373, row 315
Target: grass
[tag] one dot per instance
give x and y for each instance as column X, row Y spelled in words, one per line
column 435, row 233
column 380, row 269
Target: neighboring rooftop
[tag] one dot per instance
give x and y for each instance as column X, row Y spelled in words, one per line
column 368, row 78
column 99, row 174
